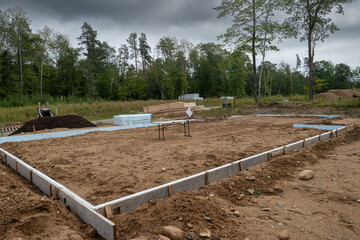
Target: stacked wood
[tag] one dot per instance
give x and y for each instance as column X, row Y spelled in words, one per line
column 169, row 107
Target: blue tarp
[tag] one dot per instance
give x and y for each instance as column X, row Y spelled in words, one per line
column 321, row 127
column 297, row 115
column 40, row 136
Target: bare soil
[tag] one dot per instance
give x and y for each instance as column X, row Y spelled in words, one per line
column 339, row 93
column 105, row 166
column 325, row 207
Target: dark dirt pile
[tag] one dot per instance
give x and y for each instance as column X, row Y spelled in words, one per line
column 67, row 121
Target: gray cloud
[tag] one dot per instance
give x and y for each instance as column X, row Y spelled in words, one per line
column 194, row 20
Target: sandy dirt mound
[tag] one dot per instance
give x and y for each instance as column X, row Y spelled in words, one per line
column 337, row 93
column 67, row 121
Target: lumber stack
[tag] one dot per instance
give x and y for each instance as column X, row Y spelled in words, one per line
column 169, row 107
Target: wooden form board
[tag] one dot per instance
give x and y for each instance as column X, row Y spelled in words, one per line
column 168, row 106
column 48, row 186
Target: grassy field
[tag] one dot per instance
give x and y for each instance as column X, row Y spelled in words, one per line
column 103, row 110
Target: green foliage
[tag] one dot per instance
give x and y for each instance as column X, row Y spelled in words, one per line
column 43, row 66
column 319, row 84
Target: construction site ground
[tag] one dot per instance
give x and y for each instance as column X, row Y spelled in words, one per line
column 104, row 166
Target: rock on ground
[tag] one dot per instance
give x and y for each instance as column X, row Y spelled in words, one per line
column 284, row 235
column 306, row 175
column 173, row 233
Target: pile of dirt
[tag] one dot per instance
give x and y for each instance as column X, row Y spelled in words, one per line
column 67, row 121
column 337, row 93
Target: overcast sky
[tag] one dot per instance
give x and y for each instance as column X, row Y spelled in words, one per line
column 194, row 20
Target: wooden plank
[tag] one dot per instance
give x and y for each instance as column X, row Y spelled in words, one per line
column 108, row 212
column 31, row 180
column 170, row 190
column 207, row 178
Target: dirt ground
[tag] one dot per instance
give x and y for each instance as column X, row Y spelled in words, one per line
column 326, row 207
column 26, row 213
column 105, row 166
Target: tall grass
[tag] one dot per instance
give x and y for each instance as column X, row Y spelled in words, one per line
column 103, row 110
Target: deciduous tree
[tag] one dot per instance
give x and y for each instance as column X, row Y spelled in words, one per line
column 310, row 19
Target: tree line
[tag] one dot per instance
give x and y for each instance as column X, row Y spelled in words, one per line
column 43, row 63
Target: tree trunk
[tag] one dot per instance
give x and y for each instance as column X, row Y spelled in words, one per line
column 41, row 75
column 92, row 80
column 20, row 65
column 254, row 53
column 311, row 70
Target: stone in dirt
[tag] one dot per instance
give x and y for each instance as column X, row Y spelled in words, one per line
column 91, row 232
column 189, row 225
column 205, row 233
column 190, row 236
column 250, row 191
column 161, row 237
column 251, row 178
column 306, row 175
column 173, row 233
column 284, row 235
